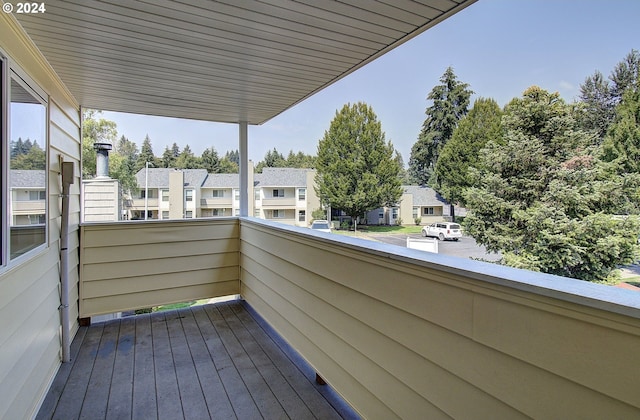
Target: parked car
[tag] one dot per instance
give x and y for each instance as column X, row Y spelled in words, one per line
column 443, row 230
column 321, row 225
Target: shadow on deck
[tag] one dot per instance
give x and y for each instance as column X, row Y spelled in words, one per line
column 213, row 361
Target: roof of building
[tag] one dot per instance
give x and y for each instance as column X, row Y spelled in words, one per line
column 282, row 177
column 424, row 196
column 159, row 177
column 222, row 181
column 23, row 178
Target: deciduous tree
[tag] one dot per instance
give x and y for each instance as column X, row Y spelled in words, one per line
column 356, row 168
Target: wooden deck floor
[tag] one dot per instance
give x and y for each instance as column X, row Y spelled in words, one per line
column 212, row 361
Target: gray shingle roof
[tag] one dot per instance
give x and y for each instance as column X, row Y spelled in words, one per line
column 282, row 177
column 424, row 196
column 222, row 181
column 22, row 178
column 159, row 177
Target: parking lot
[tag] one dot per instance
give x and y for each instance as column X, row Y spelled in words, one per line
column 466, row 247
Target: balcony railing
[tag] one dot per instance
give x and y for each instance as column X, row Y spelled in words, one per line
column 282, row 202
column 397, row 332
column 216, row 202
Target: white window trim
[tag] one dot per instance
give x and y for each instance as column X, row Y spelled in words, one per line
column 9, row 68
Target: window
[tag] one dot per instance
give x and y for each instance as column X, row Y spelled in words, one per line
column 217, row 212
column 256, row 194
column 427, row 211
column 415, row 212
column 278, row 193
column 189, row 214
column 302, row 215
column 36, row 219
column 256, row 212
column 277, row 214
column 302, row 194
column 24, row 164
column 236, row 195
column 165, row 195
column 217, row 194
column 37, row 195
column 394, row 213
column 165, row 215
column 188, row 195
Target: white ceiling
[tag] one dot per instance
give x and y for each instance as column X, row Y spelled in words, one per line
column 225, row 60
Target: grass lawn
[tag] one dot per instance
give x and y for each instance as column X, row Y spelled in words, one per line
column 364, row 229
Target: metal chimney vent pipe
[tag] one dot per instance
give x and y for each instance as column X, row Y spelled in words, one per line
column 102, row 159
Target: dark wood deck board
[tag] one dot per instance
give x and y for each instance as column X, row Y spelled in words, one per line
column 212, row 361
column 214, row 392
column 120, row 397
column 144, row 405
column 97, row 395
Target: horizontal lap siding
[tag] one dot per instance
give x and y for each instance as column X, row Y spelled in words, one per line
column 129, row 266
column 29, row 291
column 399, row 339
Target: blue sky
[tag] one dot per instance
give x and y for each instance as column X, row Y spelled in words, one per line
column 498, row 47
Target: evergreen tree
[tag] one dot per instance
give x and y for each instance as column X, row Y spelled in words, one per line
column 450, row 104
column 228, row 166
column 599, row 97
column 187, row 160
column 175, row 150
column 146, row 155
column 622, row 145
column 625, row 75
column 233, row 156
column 210, row 160
column 598, row 104
column 272, row 159
column 356, row 168
column 18, row 148
column 167, row 159
column 544, row 200
column 34, row 158
column 481, row 125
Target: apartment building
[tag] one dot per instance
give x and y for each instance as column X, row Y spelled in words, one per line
column 285, row 195
column 27, row 210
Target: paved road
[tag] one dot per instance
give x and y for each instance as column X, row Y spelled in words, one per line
column 466, row 247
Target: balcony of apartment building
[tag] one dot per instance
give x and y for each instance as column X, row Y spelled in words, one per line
column 398, row 333
column 395, row 332
column 280, row 198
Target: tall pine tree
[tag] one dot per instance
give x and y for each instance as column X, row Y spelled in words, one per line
column 450, row 104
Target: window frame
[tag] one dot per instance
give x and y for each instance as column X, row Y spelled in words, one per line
column 11, row 71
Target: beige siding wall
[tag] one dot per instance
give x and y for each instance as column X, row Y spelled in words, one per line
column 101, row 200
column 132, row 265
column 29, row 292
column 410, row 338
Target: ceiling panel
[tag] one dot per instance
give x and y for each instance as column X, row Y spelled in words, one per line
column 227, row 60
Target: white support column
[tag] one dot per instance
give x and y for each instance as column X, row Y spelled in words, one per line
column 244, row 170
